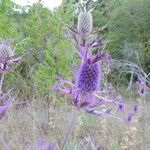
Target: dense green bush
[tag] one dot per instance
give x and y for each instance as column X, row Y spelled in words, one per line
column 128, row 24
column 41, row 34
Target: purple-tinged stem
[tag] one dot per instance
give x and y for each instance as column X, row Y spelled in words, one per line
column 143, row 115
column 72, row 125
column 1, row 82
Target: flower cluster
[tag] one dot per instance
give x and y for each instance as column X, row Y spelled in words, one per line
column 87, row 91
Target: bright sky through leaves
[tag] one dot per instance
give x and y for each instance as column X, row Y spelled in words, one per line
column 47, row 3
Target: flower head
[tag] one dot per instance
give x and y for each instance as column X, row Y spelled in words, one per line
column 7, row 55
column 87, row 91
column 89, row 76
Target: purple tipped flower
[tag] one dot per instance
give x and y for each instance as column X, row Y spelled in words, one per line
column 86, row 92
column 87, row 80
column 89, row 77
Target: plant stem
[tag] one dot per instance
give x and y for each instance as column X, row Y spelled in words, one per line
column 1, row 82
column 72, row 125
column 144, row 110
column 3, row 142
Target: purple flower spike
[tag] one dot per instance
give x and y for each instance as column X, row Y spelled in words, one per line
column 42, row 145
column 86, row 82
column 86, row 93
column 89, row 77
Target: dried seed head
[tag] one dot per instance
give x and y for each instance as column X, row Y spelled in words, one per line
column 6, row 52
column 85, row 23
column 89, row 77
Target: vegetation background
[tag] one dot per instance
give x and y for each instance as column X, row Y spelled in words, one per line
column 42, row 35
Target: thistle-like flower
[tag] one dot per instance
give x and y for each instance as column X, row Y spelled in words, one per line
column 7, row 55
column 87, row 91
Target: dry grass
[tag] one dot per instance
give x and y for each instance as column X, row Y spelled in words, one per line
column 25, row 124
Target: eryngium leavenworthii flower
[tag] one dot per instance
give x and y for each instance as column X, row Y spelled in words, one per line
column 85, row 23
column 89, row 76
column 7, row 55
column 87, row 92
